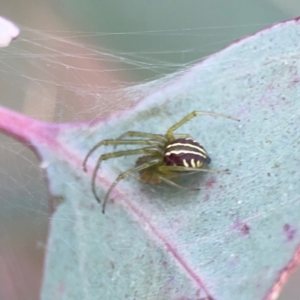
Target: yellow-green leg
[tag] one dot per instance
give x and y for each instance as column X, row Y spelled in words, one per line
column 125, row 174
column 147, row 150
column 116, row 143
column 170, row 182
column 143, row 135
column 191, row 116
column 164, row 169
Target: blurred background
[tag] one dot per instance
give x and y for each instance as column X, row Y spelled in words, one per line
column 70, row 63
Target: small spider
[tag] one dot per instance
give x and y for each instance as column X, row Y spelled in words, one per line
column 164, row 156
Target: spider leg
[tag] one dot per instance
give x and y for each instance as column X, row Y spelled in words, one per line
column 153, row 136
column 164, row 169
column 170, row 182
column 125, row 174
column 179, row 136
column 147, row 150
column 116, row 142
column 191, row 116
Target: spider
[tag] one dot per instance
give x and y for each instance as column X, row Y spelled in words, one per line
column 164, row 157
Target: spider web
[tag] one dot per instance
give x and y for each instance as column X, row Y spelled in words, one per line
column 56, row 73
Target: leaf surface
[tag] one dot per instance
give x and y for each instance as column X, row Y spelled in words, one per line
column 237, row 238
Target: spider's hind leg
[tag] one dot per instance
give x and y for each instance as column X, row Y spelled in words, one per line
column 171, row 183
column 164, row 169
column 167, row 174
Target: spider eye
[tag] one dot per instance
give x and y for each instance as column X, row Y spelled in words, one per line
column 187, row 153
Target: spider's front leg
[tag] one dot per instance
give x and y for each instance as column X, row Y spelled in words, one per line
column 126, row 174
column 117, row 142
column 190, row 116
column 145, row 135
column 146, row 150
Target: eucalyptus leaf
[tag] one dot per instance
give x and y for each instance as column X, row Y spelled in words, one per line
column 235, row 239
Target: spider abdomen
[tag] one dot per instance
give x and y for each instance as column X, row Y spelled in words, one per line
column 185, row 152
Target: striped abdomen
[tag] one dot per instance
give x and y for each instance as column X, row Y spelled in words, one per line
column 187, row 153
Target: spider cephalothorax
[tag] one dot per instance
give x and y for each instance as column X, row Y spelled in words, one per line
column 164, row 157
